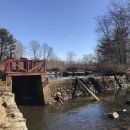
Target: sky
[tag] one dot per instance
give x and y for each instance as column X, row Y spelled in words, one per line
column 66, row 25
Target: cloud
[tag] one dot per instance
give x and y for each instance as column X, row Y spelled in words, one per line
column 72, row 36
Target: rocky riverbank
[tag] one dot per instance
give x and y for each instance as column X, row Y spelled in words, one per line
column 10, row 116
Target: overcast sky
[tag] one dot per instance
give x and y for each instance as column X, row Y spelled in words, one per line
column 66, row 25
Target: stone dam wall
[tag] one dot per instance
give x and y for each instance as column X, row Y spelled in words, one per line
column 72, row 88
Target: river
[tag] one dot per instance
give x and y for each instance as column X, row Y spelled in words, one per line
column 83, row 113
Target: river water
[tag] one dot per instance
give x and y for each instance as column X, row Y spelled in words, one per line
column 83, row 113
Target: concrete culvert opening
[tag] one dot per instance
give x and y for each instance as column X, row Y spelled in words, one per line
column 27, row 90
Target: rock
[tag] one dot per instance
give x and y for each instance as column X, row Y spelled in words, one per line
column 6, row 125
column 113, row 115
column 124, row 110
column 9, row 102
column 58, row 93
column 78, row 93
column 53, row 100
column 15, row 114
column 16, row 126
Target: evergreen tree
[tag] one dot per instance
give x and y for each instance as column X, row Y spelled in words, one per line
column 6, row 44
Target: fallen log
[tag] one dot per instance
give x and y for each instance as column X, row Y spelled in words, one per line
column 89, row 90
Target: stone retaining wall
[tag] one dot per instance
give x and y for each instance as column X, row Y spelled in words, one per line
column 72, row 88
column 10, row 116
column 66, row 87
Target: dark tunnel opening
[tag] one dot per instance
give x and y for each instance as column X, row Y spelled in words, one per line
column 27, row 90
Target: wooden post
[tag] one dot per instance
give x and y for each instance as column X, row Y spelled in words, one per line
column 38, row 66
column 44, row 66
column 28, row 65
column 18, row 67
column 8, row 65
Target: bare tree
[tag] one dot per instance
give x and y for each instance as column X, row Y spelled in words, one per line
column 70, row 57
column 47, row 51
column 20, row 50
column 88, row 58
column 55, row 63
column 35, row 49
column 114, row 29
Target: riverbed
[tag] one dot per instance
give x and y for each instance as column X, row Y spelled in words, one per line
column 82, row 113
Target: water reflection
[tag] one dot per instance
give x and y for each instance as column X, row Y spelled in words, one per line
column 82, row 113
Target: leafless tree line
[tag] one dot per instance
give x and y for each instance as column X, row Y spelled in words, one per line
column 113, row 28
column 36, row 51
column 86, row 62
